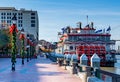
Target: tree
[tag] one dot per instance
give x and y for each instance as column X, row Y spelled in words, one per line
column 4, row 38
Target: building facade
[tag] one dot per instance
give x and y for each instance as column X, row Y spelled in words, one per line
column 27, row 19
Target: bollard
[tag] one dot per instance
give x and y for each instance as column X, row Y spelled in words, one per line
column 74, row 63
column 86, row 72
column 65, row 62
column 60, row 58
column 83, row 59
column 68, row 58
column 95, row 63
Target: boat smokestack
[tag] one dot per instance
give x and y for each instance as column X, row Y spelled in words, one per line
column 68, row 29
column 92, row 24
column 79, row 25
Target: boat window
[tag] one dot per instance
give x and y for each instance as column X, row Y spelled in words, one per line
column 71, row 47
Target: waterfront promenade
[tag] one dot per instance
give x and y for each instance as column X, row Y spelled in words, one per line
column 36, row 70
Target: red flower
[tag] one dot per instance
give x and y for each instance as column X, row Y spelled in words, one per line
column 12, row 28
column 22, row 36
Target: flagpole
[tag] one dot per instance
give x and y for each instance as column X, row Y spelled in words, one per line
column 87, row 19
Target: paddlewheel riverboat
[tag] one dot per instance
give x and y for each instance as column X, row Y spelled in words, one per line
column 87, row 40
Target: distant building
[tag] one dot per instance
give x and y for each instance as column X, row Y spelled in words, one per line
column 27, row 19
column 45, row 44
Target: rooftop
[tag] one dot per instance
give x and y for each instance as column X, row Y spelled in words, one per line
column 7, row 8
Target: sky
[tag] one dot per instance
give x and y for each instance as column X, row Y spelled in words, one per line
column 56, row 14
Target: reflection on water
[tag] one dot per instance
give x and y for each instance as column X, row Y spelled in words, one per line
column 118, row 58
column 116, row 68
column 117, row 64
column 111, row 69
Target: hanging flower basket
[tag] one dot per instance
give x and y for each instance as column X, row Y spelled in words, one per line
column 12, row 28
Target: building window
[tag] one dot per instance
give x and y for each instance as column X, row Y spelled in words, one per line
column 20, row 14
column 32, row 13
column 19, row 21
column 19, row 25
column 32, row 21
column 14, row 13
column 32, row 17
column 8, row 17
column 2, row 17
column 1, row 13
column 8, row 21
column 71, row 47
column 19, row 17
column 32, row 25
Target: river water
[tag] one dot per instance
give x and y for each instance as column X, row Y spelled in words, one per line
column 117, row 64
column 115, row 70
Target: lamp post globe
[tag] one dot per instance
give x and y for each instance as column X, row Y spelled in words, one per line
column 14, row 19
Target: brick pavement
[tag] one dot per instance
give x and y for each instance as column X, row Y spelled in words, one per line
column 37, row 70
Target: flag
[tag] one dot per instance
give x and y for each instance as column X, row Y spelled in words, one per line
column 108, row 29
column 98, row 31
column 87, row 25
column 64, row 30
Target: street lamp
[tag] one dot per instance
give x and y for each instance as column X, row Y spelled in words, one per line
column 28, row 47
column 32, row 50
column 13, row 31
column 22, row 37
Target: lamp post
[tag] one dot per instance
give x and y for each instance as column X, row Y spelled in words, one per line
column 28, row 47
column 22, row 37
column 31, row 49
column 13, row 31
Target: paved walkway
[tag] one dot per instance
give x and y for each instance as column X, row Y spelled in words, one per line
column 37, row 70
